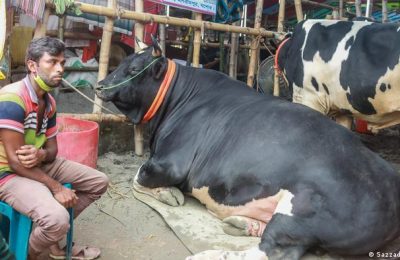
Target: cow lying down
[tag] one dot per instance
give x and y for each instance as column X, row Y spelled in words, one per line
column 266, row 167
column 345, row 69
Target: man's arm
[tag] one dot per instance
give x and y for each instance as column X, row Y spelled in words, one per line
column 30, row 156
column 13, row 141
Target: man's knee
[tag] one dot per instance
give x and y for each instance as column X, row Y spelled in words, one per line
column 56, row 222
column 102, row 182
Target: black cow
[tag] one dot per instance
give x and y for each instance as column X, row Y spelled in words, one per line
column 345, row 68
column 255, row 160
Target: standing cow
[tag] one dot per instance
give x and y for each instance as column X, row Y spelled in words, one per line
column 265, row 166
column 345, row 69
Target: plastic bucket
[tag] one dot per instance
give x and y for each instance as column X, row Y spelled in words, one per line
column 78, row 140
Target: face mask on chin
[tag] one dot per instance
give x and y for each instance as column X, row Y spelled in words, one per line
column 41, row 82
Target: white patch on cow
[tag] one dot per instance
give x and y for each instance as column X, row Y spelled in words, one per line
column 327, row 73
column 386, row 101
column 285, row 205
column 260, row 209
column 253, row 253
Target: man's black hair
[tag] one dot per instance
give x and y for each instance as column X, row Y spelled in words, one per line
column 37, row 48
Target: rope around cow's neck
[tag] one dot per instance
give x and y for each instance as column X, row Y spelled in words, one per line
column 88, row 98
column 134, row 76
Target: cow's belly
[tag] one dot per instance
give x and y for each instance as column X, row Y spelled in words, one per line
column 259, row 209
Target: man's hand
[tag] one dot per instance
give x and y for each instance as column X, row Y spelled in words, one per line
column 66, row 197
column 30, row 156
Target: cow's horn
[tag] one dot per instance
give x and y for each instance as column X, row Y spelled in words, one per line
column 140, row 44
column 157, row 52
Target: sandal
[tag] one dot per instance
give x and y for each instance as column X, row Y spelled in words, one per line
column 80, row 253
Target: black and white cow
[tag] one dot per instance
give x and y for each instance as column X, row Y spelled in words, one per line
column 265, row 166
column 344, row 68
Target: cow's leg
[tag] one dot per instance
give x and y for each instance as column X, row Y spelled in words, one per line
column 243, row 226
column 169, row 195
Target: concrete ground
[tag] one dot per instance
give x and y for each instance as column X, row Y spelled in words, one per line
column 123, row 227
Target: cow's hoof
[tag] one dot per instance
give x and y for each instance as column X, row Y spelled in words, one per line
column 170, row 195
column 243, row 226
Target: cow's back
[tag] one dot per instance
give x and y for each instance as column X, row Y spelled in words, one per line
column 339, row 67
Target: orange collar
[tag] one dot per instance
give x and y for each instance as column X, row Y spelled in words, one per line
column 162, row 91
column 277, row 54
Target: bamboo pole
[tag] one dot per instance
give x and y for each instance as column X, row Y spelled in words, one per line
column 99, row 117
column 146, row 17
column 281, row 15
column 221, row 52
column 299, row 10
column 41, row 26
column 340, row 9
column 197, row 42
column 61, row 26
column 104, row 53
column 233, row 54
column 255, row 44
column 213, row 45
column 309, row 2
column 281, row 19
column 368, row 11
column 138, row 129
column 161, row 31
column 384, row 12
column 357, row 4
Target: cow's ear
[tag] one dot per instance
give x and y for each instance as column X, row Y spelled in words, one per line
column 157, row 52
column 159, row 68
column 141, row 45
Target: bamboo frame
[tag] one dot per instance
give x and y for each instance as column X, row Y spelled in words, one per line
column 281, row 19
column 98, row 117
column 318, row 4
column 384, row 12
column 254, row 44
column 357, row 4
column 104, row 53
column 138, row 129
column 233, row 54
column 40, row 30
column 146, row 17
column 196, row 42
column 299, row 10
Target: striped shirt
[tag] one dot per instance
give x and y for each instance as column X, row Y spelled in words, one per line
column 18, row 111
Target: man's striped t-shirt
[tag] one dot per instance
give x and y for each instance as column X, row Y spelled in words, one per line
column 18, row 111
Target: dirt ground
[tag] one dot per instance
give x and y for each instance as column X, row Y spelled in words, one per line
column 125, row 228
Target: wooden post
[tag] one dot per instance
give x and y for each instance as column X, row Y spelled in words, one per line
column 384, row 12
column 233, row 54
column 104, row 53
column 357, row 4
column 368, row 11
column 161, row 30
column 340, row 9
column 189, row 56
column 221, row 52
column 41, row 26
column 281, row 19
column 61, row 25
column 281, row 14
column 299, row 10
column 197, row 42
column 139, row 33
column 254, row 44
